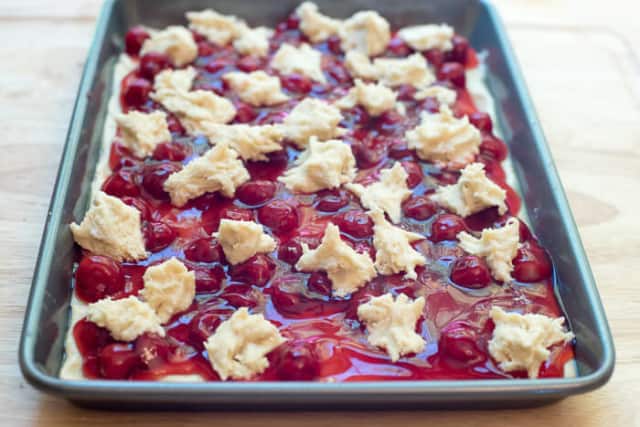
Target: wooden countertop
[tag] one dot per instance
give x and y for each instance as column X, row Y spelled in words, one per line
column 580, row 59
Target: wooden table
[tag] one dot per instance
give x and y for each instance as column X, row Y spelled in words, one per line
column 580, row 59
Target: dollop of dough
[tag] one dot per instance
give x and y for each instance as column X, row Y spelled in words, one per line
column 126, row 319
column 142, row 132
column 366, row 32
column 196, row 108
column 472, row 193
column 239, row 347
column 217, row 28
column 254, row 42
column 322, row 165
column 443, row 95
column 375, row 98
column 169, row 288
column 313, row 24
column 521, row 342
column 425, row 37
column 112, row 228
column 498, row 246
column 442, row 137
column 257, row 88
column 302, row 59
column 347, row 269
column 391, row 324
column 394, row 253
column 240, row 240
column 219, row 169
column 387, row 194
column 312, row 117
column 251, row 142
column 175, row 41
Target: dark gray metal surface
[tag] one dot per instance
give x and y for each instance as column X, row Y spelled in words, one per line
column 46, row 319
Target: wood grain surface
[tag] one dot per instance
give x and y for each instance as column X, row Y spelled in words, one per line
column 581, row 61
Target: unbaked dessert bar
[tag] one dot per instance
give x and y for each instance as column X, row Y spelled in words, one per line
column 323, row 201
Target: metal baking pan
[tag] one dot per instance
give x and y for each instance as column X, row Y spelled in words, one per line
column 46, row 321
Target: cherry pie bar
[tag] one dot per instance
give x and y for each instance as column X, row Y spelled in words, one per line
column 323, row 201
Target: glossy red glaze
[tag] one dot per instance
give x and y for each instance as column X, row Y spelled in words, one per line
column 152, row 63
column 325, row 339
column 98, row 277
column 134, row 39
column 471, row 272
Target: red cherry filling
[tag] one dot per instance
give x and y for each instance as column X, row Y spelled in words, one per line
column 209, row 279
column 158, row 235
column 279, row 215
column 531, row 264
column 297, row 83
column 419, row 207
column 204, row 250
column 458, row 340
column 257, row 192
column 90, row 337
column 204, row 324
column 453, row 72
column 471, row 272
column 118, row 361
column 435, row 57
column 249, row 64
column 297, row 361
column 320, row 283
column 332, row 201
column 152, row 63
column 355, row 223
column 98, row 277
column 121, row 183
column 460, row 51
column 414, row 173
column 171, row 151
column 139, row 204
column 481, row 120
column 135, row 91
column 493, row 147
column 446, row 227
column 236, row 214
column 152, row 350
column 245, row 113
column 134, row 39
column 154, row 177
column 257, row 270
column 290, row 252
column 398, row 47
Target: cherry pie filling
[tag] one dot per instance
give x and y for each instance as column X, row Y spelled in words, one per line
column 325, row 339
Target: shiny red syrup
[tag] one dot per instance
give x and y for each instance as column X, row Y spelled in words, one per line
column 325, row 340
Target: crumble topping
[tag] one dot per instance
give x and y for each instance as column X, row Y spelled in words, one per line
column 316, row 26
column 442, row 137
column 141, row 132
column 251, row 142
column 521, row 342
column 425, row 37
column 443, row 95
column 498, row 246
column 359, row 65
column 112, row 228
column 302, row 59
column 391, row 324
column 176, row 42
column 366, row 32
column 347, row 269
column 254, row 41
column 394, row 253
column 217, row 28
column 312, row 117
column 322, row 165
column 387, row 194
column 375, row 98
column 412, row 70
column 257, row 88
column 219, row 169
column 240, row 240
column 472, row 193
column 126, row 319
column 169, row 288
column 238, row 348
column 169, row 83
